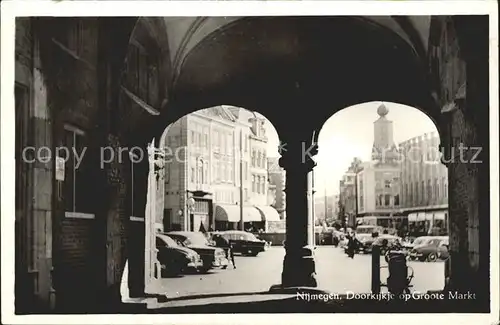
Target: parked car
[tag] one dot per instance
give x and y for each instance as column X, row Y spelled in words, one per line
column 430, row 248
column 366, row 241
column 387, row 242
column 174, row 258
column 244, row 242
column 213, row 257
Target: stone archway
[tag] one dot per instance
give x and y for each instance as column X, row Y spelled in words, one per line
column 275, row 66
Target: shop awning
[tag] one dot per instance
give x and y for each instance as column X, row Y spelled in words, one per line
column 231, row 213
column 412, row 217
column 421, row 216
column 429, row 216
column 440, row 215
column 268, row 213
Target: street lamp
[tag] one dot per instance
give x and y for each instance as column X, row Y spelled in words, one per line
column 190, row 203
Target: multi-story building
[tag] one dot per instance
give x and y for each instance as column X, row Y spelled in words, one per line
column 326, row 207
column 210, row 159
column 254, row 163
column 424, row 184
column 348, row 194
column 371, row 190
column 277, row 177
column 379, row 192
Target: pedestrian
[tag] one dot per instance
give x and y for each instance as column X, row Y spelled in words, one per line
column 352, row 245
column 226, row 245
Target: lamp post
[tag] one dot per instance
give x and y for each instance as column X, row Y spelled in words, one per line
column 190, row 203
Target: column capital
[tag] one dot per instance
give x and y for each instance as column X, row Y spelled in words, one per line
column 297, row 156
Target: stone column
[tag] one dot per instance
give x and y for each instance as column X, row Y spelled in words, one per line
column 298, row 265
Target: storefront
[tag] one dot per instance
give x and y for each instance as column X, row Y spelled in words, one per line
column 428, row 223
column 227, row 217
column 269, row 215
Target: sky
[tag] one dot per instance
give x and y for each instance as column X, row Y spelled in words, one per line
column 349, row 133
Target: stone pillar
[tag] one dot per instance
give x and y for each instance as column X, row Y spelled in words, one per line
column 298, row 265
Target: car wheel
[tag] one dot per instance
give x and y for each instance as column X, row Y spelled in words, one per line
column 432, row 257
column 204, row 269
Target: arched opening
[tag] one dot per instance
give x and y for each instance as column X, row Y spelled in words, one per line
column 380, row 176
column 220, row 174
column 273, row 65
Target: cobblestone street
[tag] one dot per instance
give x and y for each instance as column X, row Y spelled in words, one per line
column 336, row 273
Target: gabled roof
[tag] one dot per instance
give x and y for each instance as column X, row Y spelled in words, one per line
column 220, row 112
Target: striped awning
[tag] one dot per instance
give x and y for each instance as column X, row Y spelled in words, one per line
column 231, row 213
column 412, row 217
column 268, row 213
column 439, row 215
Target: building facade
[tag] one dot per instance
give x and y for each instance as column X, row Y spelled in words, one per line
column 210, row 160
column 326, row 208
column 424, row 184
column 348, row 194
column 277, row 178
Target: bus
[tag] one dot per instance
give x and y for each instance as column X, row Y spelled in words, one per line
column 390, row 223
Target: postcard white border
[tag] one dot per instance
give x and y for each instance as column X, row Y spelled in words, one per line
column 10, row 9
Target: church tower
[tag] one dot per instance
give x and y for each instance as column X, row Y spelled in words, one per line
column 384, row 149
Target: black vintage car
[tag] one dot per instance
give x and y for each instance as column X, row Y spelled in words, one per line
column 430, row 248
column 174, row 258
column 387, row 242
column 212, row 257
column 244, row 242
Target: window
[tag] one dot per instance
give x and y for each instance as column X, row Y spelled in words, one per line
column 205, row 140
column 222, row 143
column 253, row 184
column 193, row 138
column 167, row 219
column 379, row 201
column 75, row 181
column 263, row 184
column 387, row 200
column 253, row 158
column 396, row 200
column 387, row 183
column 422, row 191
column 245, row 170
column 229, row 150
column 144, row 75
column 436, row 188
column 228, row 172
column 223, row 171
column 429, row 191
column 410, row 195
column 193, row 171
column 445, row 189
column 205, row 172
column 200, row 175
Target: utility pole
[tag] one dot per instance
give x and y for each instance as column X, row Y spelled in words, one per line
column 242, row 199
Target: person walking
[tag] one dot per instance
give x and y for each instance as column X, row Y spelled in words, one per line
column 226, row 245
column 352, row 245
